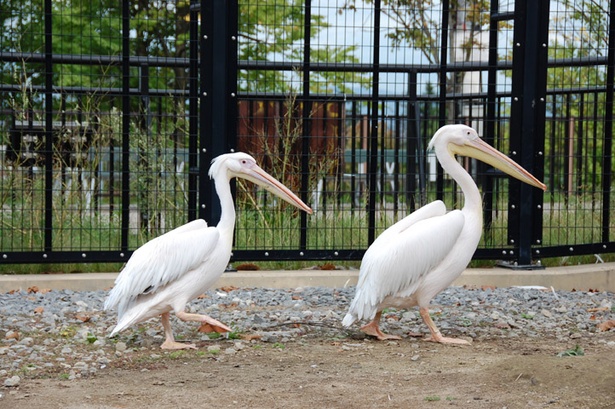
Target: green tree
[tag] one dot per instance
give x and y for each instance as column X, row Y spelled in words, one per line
column 79, row 28
column 418, row 24
column 269, row 30
column 273, row 30
column 579, row 32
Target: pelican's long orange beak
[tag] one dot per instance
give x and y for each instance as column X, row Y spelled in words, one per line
column 481, row 150
column 257, row 175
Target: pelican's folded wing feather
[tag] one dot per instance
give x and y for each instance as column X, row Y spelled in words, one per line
column 161, row 261
column 396, row 264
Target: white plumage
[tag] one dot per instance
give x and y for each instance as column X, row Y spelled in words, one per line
column 164, row 274
column 420, row 255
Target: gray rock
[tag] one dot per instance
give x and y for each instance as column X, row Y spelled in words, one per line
column 120, row 347
column 13, row 381
column 59, row 340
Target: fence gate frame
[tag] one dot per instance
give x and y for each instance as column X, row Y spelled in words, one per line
column 527, row 128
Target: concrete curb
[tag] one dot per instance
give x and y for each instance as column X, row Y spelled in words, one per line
column 591, row 276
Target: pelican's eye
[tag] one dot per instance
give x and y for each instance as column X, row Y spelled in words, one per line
column 246, row 163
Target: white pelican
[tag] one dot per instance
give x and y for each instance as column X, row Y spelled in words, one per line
column 167, row 272
column 420, row 255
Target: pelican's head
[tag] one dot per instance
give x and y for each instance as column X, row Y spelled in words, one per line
column 451, row 135
column 244, row 166
column 463, row 140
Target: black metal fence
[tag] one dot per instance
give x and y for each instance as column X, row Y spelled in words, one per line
column 110, row 115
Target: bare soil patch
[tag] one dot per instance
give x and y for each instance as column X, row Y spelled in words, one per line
column 323, row 372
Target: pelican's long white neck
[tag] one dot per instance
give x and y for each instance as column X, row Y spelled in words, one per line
column 472, row 197
column 227, row 205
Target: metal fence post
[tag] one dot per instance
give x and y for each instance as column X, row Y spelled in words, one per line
column 126, row 112
column 48, row 230
column 415, row 152
column 193, row 109
column 374, row 130
column 442, row 114
column 529, row 83
column 607, row 171
column 218, row 129
column 306, row 122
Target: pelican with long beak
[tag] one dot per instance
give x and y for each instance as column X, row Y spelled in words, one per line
column 164, row 274
column 422, row 254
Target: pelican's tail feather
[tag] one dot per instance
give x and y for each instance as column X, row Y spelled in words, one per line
column 122, row 325
column 131, row 317
column 348, row 320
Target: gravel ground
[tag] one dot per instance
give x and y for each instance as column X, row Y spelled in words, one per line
column 63, row 333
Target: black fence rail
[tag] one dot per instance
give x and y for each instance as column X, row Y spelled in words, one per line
column 107, row 131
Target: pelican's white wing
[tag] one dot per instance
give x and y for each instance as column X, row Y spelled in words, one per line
column 433, row 209
column 161, row 261
column 402, row 255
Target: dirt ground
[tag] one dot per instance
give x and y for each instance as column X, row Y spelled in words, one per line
column 343, row 373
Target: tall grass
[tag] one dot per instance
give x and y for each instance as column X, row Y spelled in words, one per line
column 270, row 227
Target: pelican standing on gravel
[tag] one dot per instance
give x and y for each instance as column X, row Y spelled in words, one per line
column 422, row 254
column 164, row 274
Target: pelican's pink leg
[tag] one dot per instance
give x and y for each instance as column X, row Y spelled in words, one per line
column 170, row 342
column 373, row 329
column 185, row 316
column 436, row 336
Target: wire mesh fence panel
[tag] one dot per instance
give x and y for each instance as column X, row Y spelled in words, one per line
column 107, row 124
column 95, row 130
